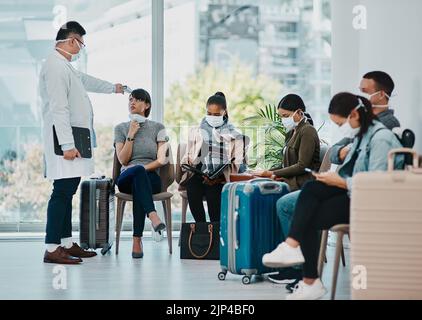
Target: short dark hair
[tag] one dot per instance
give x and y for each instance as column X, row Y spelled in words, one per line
column 69, row 28
column 343, row 103
column 383, row 81
column 143, row 95
column 219, row 99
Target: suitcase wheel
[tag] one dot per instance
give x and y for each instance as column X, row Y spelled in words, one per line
column 246, row 280
column 222, row 275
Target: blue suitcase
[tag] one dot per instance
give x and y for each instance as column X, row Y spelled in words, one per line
column 249, row 226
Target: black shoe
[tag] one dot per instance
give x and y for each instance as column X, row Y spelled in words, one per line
column 161, row 226
column 285, row 276
column 291, row 286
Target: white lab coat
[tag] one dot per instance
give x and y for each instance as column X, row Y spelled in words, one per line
column 65, row 103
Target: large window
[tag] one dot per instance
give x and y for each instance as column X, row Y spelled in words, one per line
column 118, row 49
column 253, row 51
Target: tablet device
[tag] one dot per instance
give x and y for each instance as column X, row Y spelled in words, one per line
column 210, row 175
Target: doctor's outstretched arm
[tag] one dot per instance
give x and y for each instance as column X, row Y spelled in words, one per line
column 93, row 84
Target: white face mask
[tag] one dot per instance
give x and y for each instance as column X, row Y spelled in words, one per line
column 214, row 121
column 346, row 129
column 137, row 117
column 73, row 57
column 289, row 123
column 369, row 97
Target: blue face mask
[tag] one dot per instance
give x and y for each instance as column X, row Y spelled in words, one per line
column 214, row 121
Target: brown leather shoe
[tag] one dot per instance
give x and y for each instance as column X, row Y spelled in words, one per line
column 77, row 251
column 61, row 257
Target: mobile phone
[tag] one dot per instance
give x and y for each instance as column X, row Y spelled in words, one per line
column 310, row 171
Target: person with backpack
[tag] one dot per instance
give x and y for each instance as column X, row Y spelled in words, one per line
column 325, row 202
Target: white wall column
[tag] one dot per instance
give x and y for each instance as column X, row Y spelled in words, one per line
column 157, row 9
column 390, row 43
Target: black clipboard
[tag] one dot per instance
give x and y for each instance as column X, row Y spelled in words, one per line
column 82, row 138
column 210, row 175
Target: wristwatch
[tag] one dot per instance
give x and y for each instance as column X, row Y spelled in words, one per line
column 130, row 139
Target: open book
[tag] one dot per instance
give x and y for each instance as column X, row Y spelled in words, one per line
column 210, row 175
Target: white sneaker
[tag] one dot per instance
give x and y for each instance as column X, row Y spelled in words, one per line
column 283, row 256
column 304, row 291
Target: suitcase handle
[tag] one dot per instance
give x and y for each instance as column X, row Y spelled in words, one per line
column 259, row 179
column 270, row 187
column 236, row 243
column 392, row 155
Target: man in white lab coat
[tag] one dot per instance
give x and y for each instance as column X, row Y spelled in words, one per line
column 65, row 104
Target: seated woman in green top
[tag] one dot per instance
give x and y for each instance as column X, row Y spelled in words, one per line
column 302, row 144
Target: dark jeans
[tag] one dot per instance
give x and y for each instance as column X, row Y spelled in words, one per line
column 59, row 210
column 196, row 191
column 319, row 207
column 142, row 185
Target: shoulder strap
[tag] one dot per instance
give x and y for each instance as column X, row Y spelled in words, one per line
column 370, row 139
column 379, row 129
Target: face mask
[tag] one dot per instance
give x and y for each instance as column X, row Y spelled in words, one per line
column 289, row 123
column 214, row 121
column 369, row 97
column 346, row 129
column 137, row 117
column 73, row 57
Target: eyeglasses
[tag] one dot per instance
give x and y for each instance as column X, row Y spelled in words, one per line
column 83, row 44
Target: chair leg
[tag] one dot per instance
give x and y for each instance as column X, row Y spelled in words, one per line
column 322, row 252
column 119, row 221
column 184, row 210
column 339, row 247
column 343, row 257
column 167, row 213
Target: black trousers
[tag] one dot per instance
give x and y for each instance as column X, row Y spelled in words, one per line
column 196, row 191
column 59, row 210
column 319, row 207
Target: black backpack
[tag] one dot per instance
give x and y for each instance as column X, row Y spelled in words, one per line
column 407, row 139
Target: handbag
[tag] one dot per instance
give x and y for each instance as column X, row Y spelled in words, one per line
column 200, row 240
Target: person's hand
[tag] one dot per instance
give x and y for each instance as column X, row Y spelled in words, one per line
column 133, row 129
column 275, row 178
column 119, row 88
column 71, row 154
column 343, row 153
column 213, row 182
column 262, row 173
column 331, row 179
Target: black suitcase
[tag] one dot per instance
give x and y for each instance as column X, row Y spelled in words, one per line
column 97, row 219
